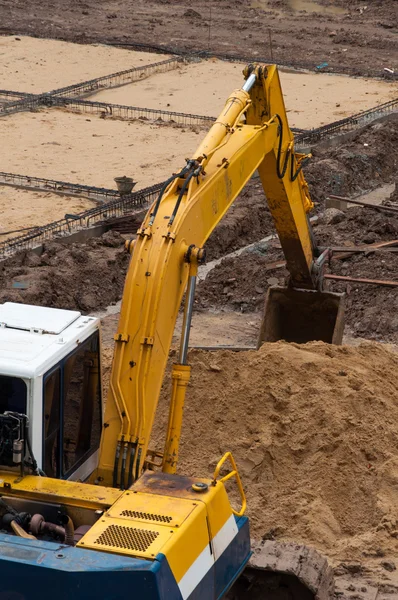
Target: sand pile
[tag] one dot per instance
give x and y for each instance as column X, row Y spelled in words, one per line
column 314, row 431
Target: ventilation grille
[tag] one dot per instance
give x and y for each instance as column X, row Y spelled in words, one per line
column 135, row 514
column 127, row 538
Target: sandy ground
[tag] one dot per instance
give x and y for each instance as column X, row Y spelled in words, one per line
column 309, row 6
column 311, row 99
column 35, row 65
column 23, row 208
column 89, row 150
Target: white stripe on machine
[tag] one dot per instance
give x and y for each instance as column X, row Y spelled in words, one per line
column 224, row 537
column 205, row 561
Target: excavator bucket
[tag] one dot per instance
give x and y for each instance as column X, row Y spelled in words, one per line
column 302, row 316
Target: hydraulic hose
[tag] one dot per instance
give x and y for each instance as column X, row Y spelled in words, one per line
column 69, row 532
column 131, row 465
column 293, row 176
column 180, row 196
column 162, row 191
column 281, row 173
column 20, row 532
column 123, row 469
column 116, row 465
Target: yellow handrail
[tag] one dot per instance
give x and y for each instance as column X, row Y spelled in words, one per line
column 233, row 473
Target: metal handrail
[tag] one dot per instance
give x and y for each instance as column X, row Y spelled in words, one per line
column 233, row 473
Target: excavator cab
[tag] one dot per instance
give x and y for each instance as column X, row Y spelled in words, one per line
column 301, row 316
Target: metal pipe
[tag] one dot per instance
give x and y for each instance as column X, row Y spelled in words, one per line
column 250, row 81
column 186, row 325
column 381, row 207
column 386, row 283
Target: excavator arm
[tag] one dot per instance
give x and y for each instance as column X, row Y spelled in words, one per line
column 251, row 133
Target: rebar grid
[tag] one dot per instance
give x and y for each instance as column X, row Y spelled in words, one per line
column 58, row 187
column 120, row 111
column 10, row 96
column 129, row 204
column 344, row 125
column 116, row 79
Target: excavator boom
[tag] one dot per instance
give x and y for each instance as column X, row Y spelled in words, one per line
column 251, row 133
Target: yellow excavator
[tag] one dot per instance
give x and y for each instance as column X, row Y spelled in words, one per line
column 87, row 509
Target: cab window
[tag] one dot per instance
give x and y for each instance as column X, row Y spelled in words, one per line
column 52, row 424
column 81, row 405
column 72, row 410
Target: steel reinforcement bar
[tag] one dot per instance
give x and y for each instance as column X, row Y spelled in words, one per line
column 10, row 96
column 128, row 204
column 120, row 111
column 314, row 136
column 25, row 104
column 58, row 187
column 116, row 79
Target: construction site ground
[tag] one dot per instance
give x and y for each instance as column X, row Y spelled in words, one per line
column 36, row 66
column 26, row 208
column 86, row 149
column 312, row 99
column 318, row 409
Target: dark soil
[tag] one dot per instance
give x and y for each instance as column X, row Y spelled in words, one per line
column 247, row 221
column 362, row 40
column 372, row 310
column 359, row 226
column 240, row 283
column 83, row 277
column 358, row 162
column 394, row 195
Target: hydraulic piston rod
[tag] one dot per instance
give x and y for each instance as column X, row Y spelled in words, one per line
column 186, row 325
column 250, row 81
column 181, row 375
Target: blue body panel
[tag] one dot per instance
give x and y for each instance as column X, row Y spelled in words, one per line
column 35, row 570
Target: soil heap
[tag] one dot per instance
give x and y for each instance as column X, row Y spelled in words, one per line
column 356, row 162
column 313, row 430
column 240, row 282
column 74, row 276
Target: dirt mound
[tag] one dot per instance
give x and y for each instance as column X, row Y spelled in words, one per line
column 359, row 162
column 372, row 311
column 365, row 45
column 240, row 282
column 76, row 276
column 357, row 226
column 313, row 430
